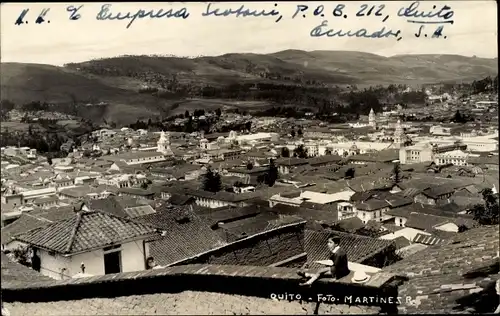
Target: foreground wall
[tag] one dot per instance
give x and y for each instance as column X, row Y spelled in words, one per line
column 184, row 303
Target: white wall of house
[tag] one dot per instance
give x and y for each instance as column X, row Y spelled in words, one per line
column 400, row 221
column 52, row 265
column 132, row 259
column 14, row 244
column 366, row 216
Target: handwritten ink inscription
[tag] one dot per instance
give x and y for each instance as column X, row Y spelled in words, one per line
column 429, row 20
column 74, row 12
column 106, row 14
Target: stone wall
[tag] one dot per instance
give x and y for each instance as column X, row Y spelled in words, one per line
column 184, row 303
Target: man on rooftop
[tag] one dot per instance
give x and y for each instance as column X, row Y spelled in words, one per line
column 338, row 270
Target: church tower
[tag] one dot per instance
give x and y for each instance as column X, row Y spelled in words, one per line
column 164, row 144
column 372, row 120
column 399, row 136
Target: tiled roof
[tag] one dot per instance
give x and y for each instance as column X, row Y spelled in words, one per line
column 23, row 224
column 85, row 231
column 290, row 161
column 137, row 211
column 437, row 281
column 248, row 226
column 227, row 215
column 34, row 219
column 410, row 192
column 351, row 224
column 324, row 159
column 308, row 214
column 386, row 155
column 186, row 235
column 437, row 191
column 398, row 201
column 358, row 248
column 109, row 205
column 425, row 222
column 428, row 222
column 372, row 205
column 179, row 199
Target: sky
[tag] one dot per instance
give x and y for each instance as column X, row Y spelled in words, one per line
column 61, row 41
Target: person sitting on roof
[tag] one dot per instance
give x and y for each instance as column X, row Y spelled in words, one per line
column 338, row 270
column 151, row 264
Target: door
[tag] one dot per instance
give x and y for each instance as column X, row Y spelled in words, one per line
column 112, row 262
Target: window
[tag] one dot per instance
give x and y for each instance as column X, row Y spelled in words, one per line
column 112, row 260
column 400, row 222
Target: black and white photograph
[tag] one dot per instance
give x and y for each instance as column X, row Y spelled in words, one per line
column 249, row 158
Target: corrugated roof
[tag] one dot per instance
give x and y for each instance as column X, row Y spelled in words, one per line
column 429, row 240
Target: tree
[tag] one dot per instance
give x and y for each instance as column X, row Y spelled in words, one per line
column 293, row 133
column 349, row 173
column 328, row 152
column 272, row 174
column 488, row 213
column 285, row 152
column 212, row 181
column 396, row 173
column 218, row 112
column 299, row 132
column 22, row 255
column 249, row 166
column 300, row 152
column 49, row 160
column 248, row 126
column 186, row 114
column 144, row 186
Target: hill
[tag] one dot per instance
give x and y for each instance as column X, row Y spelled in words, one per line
column 407, row 69
column 127, row 88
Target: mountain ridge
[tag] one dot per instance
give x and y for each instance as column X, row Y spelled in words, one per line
column 118, row 80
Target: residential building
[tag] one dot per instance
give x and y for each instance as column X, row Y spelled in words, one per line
column 416, row 154
column 138, row 157
column 84, row 241
column 372, row 210
column 455, row 157
column 440, row 130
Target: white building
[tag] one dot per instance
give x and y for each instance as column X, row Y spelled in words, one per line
column 416, row 154
column 455, row 157
column 85, row 240
column 372, row 119
column 251, row 138
column 164, row 144
column 481, row 143
column 440, row 130
column 138, row 157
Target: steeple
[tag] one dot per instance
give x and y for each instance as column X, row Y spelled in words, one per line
column 164, row 144
column 399, row 135
column 372, row 120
